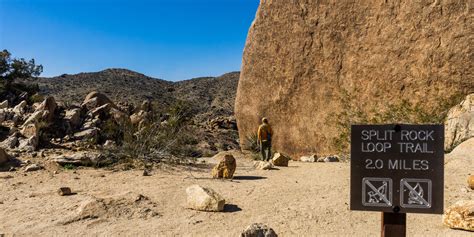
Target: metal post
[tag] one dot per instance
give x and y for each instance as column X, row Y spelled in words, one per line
column 394, row 224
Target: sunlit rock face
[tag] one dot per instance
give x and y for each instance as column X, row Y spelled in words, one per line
column 314, row 67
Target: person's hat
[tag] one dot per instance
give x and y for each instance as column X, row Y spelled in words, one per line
column 264, row 120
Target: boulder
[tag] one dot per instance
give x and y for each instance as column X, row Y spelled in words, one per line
column 459, row 124
column 280, row 160
column 20, row 108
column 308, row 66
column 82, row 159
column 225, row 168
column 258, row 230
column 96, row 99
column 470, row 182
column 262, row 165
column 204, row 199
column 36, row 117
column 90, row 133
column 33, row 167
column 4, row 104
column 4, row 157
column 74, row 117
column 311, row 158
column 30, row 130
column 29, row 144
column 10, row 142
column 333, row 158
column 102, row 111
column 49, row 104
column 460, row 215
column 138, row 117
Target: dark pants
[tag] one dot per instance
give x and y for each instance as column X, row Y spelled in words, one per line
column 266, row 146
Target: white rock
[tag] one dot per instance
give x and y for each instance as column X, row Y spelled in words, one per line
column 20, row 108
column 204, row 199
column 32, row 167
column 311, row 158
column 262, row 165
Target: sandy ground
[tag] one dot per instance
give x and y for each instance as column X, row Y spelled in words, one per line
column 304, row 199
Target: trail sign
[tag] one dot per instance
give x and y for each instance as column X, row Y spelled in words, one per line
column 397, row 168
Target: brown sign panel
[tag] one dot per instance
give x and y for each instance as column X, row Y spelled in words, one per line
column 397, row 168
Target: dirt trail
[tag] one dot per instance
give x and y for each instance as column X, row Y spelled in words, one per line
column 304, row 199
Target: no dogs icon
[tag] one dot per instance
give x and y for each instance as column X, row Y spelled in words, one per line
column 377, row 192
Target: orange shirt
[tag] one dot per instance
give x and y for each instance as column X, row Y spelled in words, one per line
column 265, row 132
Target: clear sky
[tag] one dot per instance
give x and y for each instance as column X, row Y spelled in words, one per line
column 168, row 39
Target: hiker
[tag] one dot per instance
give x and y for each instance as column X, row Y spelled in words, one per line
column 265, row 134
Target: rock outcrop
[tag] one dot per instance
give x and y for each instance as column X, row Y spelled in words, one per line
column 307, row 61
column 459, row 125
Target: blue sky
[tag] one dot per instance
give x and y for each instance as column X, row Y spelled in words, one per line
column 168, row 39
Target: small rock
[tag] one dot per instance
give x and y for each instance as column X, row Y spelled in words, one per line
column 146, row 172
column 32, row 167
column 311, row 158
column 64, row 191
column 258, row 230
column 262, row 165
column 333, row 158
column 82, row 158
column 225, row 168
column 87, row 134
column 460, row 215
column 110, row 144
column 280, row 160
column 204, row 199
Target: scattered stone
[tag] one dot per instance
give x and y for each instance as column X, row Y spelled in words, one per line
column 146, row 172
column 280, row 160
column 311, row 158
column 74, row 117
column 4, row 104
column 460, row 215
column 262, row 165
column 4, row 157
column 333, row 158
column 226, row 167
column 96, row 99
column 258, row 230
column 32, row 167
column 10, row 142
column 82, row 159
column 29, row 144
column 470, row 182
column 19, row 109
column 64, row 191
column 459, row 125
column 204, row 199
column 87, row 134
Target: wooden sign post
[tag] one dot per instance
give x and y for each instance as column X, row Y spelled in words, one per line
column 397, row 169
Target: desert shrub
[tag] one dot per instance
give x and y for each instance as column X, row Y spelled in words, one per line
column 36, row 98
column 404, row 111
column 169, row 140
column 251, row 142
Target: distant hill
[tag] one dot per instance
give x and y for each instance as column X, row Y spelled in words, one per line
column 214, row 95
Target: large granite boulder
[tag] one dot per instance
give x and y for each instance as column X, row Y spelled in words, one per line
column 305, row 62
column 459, row 125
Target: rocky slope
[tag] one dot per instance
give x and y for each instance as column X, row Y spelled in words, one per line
column 207, row 94
column 315, row 67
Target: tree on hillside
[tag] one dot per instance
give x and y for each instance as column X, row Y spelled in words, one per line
column 14, row 68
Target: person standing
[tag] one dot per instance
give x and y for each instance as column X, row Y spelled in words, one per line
column 265, row 134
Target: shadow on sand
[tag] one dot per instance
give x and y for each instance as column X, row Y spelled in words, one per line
column 248, row 177
column 231, row 208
